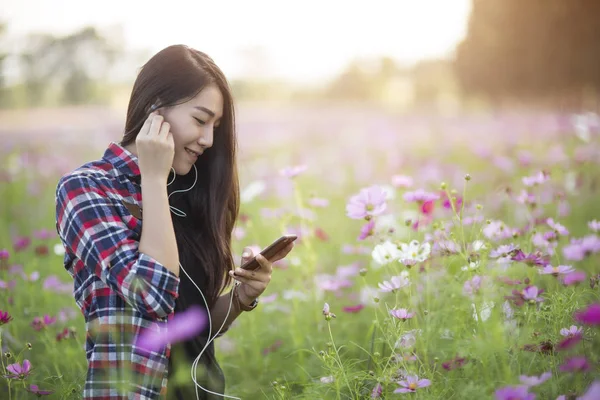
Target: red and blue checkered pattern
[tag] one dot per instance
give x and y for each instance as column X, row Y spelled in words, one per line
column 121, row 292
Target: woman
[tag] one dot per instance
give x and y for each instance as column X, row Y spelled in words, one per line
column 178, row 154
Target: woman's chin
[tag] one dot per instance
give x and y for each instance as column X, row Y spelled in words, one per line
column 182, row 168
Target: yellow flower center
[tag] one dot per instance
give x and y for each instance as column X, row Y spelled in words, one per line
column 412, row 386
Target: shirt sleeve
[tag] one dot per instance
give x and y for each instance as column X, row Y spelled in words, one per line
column 92, row 229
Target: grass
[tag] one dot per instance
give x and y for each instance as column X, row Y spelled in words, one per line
column 287, row 348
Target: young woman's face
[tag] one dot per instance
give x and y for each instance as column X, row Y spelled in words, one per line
column 192, row 125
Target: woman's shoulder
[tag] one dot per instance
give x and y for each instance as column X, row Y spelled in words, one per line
column 96, row 172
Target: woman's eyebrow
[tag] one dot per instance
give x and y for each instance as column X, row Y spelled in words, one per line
column 206, row 110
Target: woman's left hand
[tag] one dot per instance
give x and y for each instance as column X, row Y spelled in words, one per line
column 254, row 283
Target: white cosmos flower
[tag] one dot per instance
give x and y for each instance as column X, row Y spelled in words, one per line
column 485, row 310
column 251, row 191
column 385, row 253
column 414, row 251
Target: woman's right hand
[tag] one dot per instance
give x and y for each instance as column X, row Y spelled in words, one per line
column 155, row 147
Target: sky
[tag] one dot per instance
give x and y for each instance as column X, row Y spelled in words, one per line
column 302, row 41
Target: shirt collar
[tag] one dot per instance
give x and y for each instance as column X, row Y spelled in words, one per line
column 122, row 159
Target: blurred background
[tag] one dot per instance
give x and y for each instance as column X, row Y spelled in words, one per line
column 317, row 83
column 332, row 96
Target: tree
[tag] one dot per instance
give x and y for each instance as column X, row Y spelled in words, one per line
column 530, row 49
column 69, row 64
column 4, row 92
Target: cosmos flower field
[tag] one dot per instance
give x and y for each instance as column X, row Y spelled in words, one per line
column 438, row 258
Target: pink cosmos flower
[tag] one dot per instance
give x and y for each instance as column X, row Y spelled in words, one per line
column 21, row 243
column 377, row 391
column 318, row 202
column 353, row 309
column 472, row 286
column 456, row 362
column 532, row 259
column 38, row 392
column 531, row 294
column 536, row 179
column 411, row 384
column 327, row 313
column 526, row 198
column 573, row 278
column 369, row 202
column 572, row 331
column 504, row 251
column 292, row 172
column 18, row 371
column 420, row 196
column 575, row 364
column 402, row 314
column 397, row 282
column 592, row 393
column 402, row 181
column 367, row 230
column 40, row 323
column 561, row 230
column 590, row 315
column 181, row 327
column 332, row 283
column 535, row 380
column 514, row 393
column 43, row 234
column 555, row 271
column 594, row 226
column 578, row 249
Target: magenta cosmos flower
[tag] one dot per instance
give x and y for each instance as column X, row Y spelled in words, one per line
column 411, row 384
column 183, row 326
column 5, row 317
column 369, row 202
column 575, row 364
column 574, row 278
column 590, row 315
column 18, row 371
column 39, row 392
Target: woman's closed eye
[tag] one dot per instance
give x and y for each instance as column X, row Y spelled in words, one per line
column 200, row 121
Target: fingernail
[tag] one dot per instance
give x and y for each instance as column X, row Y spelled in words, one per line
column 245, row 254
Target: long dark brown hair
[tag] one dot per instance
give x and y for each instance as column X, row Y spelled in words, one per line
column 175, row 75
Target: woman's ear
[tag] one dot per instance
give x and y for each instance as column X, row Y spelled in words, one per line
column 155, row 106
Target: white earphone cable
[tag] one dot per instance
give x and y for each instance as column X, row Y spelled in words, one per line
column 194, row 369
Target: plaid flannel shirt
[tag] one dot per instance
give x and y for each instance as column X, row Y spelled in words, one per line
column 121, row 292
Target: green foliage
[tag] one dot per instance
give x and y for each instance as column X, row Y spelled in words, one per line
column 287, row 349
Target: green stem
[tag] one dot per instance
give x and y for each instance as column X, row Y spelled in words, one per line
column 338, row 359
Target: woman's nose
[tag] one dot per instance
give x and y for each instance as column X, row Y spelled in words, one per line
column 206, row 140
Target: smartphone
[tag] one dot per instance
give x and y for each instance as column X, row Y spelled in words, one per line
column 270, row 251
